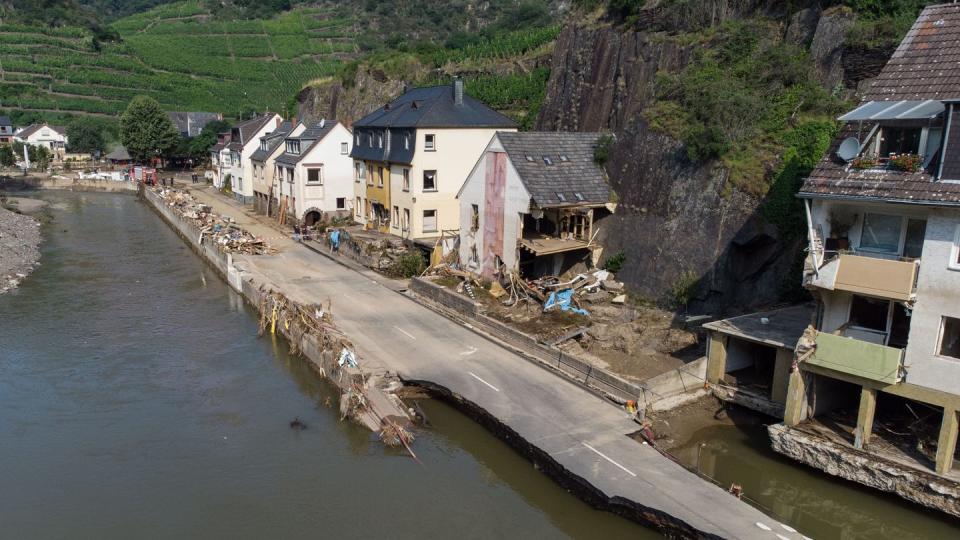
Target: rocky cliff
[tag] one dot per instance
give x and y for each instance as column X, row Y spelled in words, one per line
column 681, row 223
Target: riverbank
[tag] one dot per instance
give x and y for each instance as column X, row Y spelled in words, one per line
column 565, row 428
column 66, row 182
column 19, row 240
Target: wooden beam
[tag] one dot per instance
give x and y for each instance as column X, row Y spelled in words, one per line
column 868, row 406
column 717, row 357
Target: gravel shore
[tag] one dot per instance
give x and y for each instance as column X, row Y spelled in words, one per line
column 19, row 242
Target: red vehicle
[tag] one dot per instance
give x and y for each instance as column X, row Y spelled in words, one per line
column 144, row 175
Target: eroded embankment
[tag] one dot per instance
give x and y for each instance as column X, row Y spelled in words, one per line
column 665, row 524
column 309, row 329
column 19, row 248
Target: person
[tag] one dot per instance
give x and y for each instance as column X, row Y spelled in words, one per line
column 297, row 236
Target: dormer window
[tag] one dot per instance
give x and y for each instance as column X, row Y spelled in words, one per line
column 293, row 147
column 899, row 140
column 263, row 145
column 379, row 140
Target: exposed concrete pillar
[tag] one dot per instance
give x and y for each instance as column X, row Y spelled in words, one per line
column 781, row 375
column 796, row 407
column 947, row 443
column 868, row 406
column 717, row 357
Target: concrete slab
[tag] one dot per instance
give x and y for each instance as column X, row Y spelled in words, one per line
column 783, row 327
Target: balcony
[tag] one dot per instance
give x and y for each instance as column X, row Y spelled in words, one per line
column 860, row 358
column 871, row 276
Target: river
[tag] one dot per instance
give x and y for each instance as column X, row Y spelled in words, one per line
column 136, row 401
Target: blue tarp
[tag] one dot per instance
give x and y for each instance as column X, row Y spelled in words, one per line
column 563, row 300
column 335, row 239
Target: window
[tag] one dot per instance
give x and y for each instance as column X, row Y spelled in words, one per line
column 899, row 140
column 293, row 147
column 370, row 140
column 358, row 208
column 949, row 338
column 429, row 221
column 356, row 139
column 360, row 171
column 954, row 263
column 406, row 141
column 429, row 142
column 913, row 242
column 395, row 217
column 429, row 180
column 579, row 196
column 547, row 160
column 379, row 140
column 380, row 176
column 406, row 219
column 290, row 176
column 406, row 179
column 341, row 203
column 474, row 217
column 344, row 148
column 881, row 233
column 561, row 197
column 869, row 313
column 263, row 145
column 315, row 176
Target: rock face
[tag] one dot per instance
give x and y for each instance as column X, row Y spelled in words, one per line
column 868, row 469
column 676, row 218
column 328, row 98
column 19, row 238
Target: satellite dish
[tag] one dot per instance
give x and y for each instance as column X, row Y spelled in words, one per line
column 849, row 149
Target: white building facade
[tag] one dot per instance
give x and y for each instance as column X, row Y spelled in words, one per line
column 313, row 176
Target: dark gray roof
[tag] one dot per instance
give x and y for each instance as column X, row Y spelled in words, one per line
column 571, row 170
column 33, row 128
column 5, row 121
column 310, row 137
column 274, row 139
column 118, row 154
column 191, row 124
column 926, row 65
column 244, row 131
column 434, row 106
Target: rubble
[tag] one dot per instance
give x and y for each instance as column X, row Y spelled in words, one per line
column 222, row 230
column 19, row 253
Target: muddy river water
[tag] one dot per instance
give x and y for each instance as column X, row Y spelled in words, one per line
column 136, row 401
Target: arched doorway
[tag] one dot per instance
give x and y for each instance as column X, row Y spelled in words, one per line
column 311, row 218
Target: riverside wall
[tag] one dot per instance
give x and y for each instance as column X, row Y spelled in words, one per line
column 381, row 404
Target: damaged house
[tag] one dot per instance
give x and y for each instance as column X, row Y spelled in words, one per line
column 532, row 204
column 876, row 372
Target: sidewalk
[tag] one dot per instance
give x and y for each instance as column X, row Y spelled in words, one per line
column 582, row 434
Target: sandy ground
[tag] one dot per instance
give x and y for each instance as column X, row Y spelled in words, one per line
column 676, row 427
column 25, row 205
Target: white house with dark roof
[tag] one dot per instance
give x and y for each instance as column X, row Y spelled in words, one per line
column 52, row 137
column 412, row 155
column 313, row 179
column 882, row 215
column 531, row 203
column 244, row 141
column 190, row 124
column 264, row 165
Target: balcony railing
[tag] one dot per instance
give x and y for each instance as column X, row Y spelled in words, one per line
column 873, row 276
column 856, row 357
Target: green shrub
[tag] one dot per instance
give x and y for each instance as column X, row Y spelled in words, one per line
column 614, row 263
column 682, row 288
column 409, row 264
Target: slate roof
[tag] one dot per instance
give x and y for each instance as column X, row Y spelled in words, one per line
column 926, row 65
column 308, row 139
column 192, row 123
column 248, row 128
column 434, row 106
column 579, row 174
column 5, row 121
column 118, row 154
column 31, row 129
column 274, row 139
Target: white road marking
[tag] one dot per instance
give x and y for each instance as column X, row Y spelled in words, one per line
column 788, row 528
column 469, row 351
column 401, row 330
column 763, row 526
column 604, row 456
column 474, row 375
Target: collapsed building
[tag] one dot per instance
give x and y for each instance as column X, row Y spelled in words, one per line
column 532, row 205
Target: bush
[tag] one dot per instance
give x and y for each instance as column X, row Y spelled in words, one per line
column 615, row 262
column 602, row 151
column 682, row 289
column 409, row 264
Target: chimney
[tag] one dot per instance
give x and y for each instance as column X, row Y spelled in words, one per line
column 279, row 120
column 293, row 121
column 457, row 91
column 323, row 122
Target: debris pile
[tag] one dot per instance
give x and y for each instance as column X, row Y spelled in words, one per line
column 19, row 238
column 225, row 233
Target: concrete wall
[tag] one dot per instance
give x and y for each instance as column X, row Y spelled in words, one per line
column 457, row 151
column 516, row 203
column 938, row 295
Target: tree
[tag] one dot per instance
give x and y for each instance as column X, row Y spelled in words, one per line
column 40, row 156
column 146, row 130
column 199, row 146
column 85, row 136
column 7, row 158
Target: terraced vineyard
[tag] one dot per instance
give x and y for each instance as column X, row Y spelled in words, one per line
column 179, row 54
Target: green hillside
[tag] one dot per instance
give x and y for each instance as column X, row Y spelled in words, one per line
column 178, row 53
